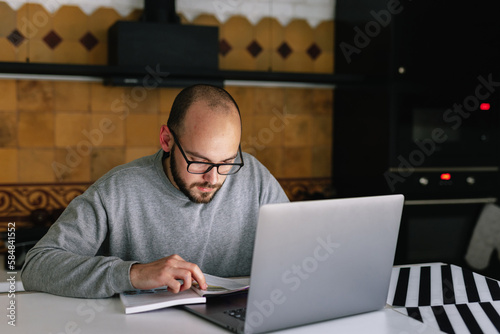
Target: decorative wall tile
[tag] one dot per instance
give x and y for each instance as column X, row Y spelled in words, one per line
column 35, row 165
column 314, row 51
column 314, row 11
column 36, row 129
column 7, row 50
column 268, row 131
column 263, row 62
column 244, row 97
column 298, row 132
column 166, row 98
column 238, row 32
column 107, row 129
column 239, row 59
column 206, row 20
column 100, row 21
column 299, row 62
column 323, row 134
column 17, row 202
column 89, row 41
column 61, row 27
column 284, row 50
column 8, row 19
column 99, row 54
column 107, row 98
column 52, row 39
column 277, row 62
column 134, row 15
column 21, row 200
column 142, row 130
column 8, row 102
column 22, row 52
column 8, row 129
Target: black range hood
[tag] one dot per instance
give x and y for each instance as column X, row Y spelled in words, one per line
column 158, row 51
column 160, row 41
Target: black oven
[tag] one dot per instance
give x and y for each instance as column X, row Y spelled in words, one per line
column 425, row 123
column 438, row 229
column 445, row 141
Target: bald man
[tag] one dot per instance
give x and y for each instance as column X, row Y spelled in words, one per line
column 189, row 209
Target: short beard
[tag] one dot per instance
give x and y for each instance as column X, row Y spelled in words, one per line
column 204, row 198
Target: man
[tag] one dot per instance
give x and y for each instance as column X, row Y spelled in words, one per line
column 190, row 208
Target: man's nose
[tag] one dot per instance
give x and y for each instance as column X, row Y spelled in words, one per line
column 211, row 176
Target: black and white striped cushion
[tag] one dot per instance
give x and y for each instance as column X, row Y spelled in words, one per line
column 447, row 297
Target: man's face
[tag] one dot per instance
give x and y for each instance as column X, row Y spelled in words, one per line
column 207, row 136
column 193, row 185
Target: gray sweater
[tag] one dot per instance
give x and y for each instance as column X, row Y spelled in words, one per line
column 134, row 214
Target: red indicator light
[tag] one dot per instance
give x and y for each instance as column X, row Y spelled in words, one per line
column 484, row 106
column 445, row 176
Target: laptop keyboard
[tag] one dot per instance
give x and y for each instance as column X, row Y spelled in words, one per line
column 238, row 313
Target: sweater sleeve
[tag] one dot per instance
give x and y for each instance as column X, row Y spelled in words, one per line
column 66, row 260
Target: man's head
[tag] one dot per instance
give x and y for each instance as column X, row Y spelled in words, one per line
column 206, row 123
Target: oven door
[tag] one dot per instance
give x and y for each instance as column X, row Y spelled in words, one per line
column 438, row 230
column 441, row 128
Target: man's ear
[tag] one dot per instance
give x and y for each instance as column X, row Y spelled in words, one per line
column 166, row 138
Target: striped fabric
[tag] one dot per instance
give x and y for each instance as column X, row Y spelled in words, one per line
column 446, row 297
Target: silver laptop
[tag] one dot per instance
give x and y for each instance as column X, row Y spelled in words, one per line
column 314, row 261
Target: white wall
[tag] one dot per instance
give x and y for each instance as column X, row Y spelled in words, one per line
column 314, row 11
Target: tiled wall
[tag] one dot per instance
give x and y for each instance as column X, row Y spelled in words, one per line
column 54, row 132
column 76, row 131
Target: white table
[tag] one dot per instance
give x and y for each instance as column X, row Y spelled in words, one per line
column 45, row 313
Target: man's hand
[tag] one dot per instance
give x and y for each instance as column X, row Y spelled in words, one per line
column 166, row 271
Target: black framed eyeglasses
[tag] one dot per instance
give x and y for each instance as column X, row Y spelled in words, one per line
column 195, row 167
